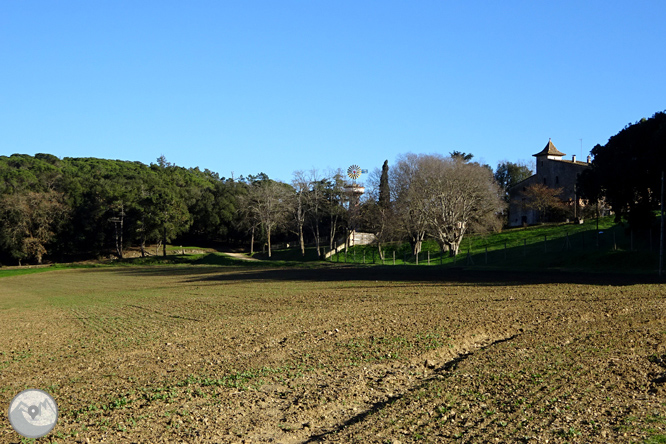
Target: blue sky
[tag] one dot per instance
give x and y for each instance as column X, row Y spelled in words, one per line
column 278, row 86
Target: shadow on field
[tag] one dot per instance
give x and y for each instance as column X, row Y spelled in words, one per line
column 395, row 273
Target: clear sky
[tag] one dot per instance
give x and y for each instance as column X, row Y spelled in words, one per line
column 277, row 86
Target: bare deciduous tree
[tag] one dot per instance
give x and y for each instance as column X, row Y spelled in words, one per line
column 316, row 202
column 301, row 185
column 442, row 197
column 410, row 199
column 459, row 195
column 542, row 199
column 270, row 203
column 335, row 197
column 249, row 216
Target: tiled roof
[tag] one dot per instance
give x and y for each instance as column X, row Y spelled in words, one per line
column 549, row 150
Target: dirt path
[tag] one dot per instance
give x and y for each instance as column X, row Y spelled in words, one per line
column 240, row 256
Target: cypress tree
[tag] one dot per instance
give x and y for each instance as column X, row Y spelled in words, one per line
column 384, row 192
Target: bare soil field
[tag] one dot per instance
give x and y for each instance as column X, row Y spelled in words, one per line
column 202, row 354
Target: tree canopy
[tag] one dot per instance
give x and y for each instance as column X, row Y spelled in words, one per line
column 509, row 174
column 627, row 170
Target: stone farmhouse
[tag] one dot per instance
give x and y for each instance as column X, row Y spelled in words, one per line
column 553, row 171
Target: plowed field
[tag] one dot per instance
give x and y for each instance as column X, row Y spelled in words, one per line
column 202, row 354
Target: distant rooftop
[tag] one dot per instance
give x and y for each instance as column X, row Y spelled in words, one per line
column 549, row 150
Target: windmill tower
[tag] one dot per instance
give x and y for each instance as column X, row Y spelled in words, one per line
column 352, row 189
column 354, row 192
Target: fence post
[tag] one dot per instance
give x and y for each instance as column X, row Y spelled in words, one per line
column 486, row 255
column 393, row 257
column 614, row 242
column 428, row 257
column 417, row 257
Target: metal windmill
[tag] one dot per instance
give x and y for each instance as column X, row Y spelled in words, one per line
column 354, row 192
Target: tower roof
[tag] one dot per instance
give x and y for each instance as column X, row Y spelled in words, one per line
column 549, row 150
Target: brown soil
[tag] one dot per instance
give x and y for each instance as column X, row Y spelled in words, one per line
column 335, row 354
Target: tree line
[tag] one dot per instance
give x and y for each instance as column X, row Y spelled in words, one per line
column 77, row 208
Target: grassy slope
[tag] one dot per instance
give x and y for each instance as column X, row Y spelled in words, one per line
column 567, row 246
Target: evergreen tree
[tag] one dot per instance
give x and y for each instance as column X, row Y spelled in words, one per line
column 384, row 190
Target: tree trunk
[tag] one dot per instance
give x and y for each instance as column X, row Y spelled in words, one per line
column 164, row 242
column 334, row 228
column 454, row 247
column 143, row 236
column 317, row 239
column 268, row 236
column 143, row 245
column 301, row 240
column 252, row 242
column 418, row 240
column 122, row 219
column 118, row 249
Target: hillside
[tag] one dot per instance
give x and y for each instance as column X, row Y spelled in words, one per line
column 613, row 247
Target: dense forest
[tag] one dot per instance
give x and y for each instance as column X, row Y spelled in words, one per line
column 75, row 208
